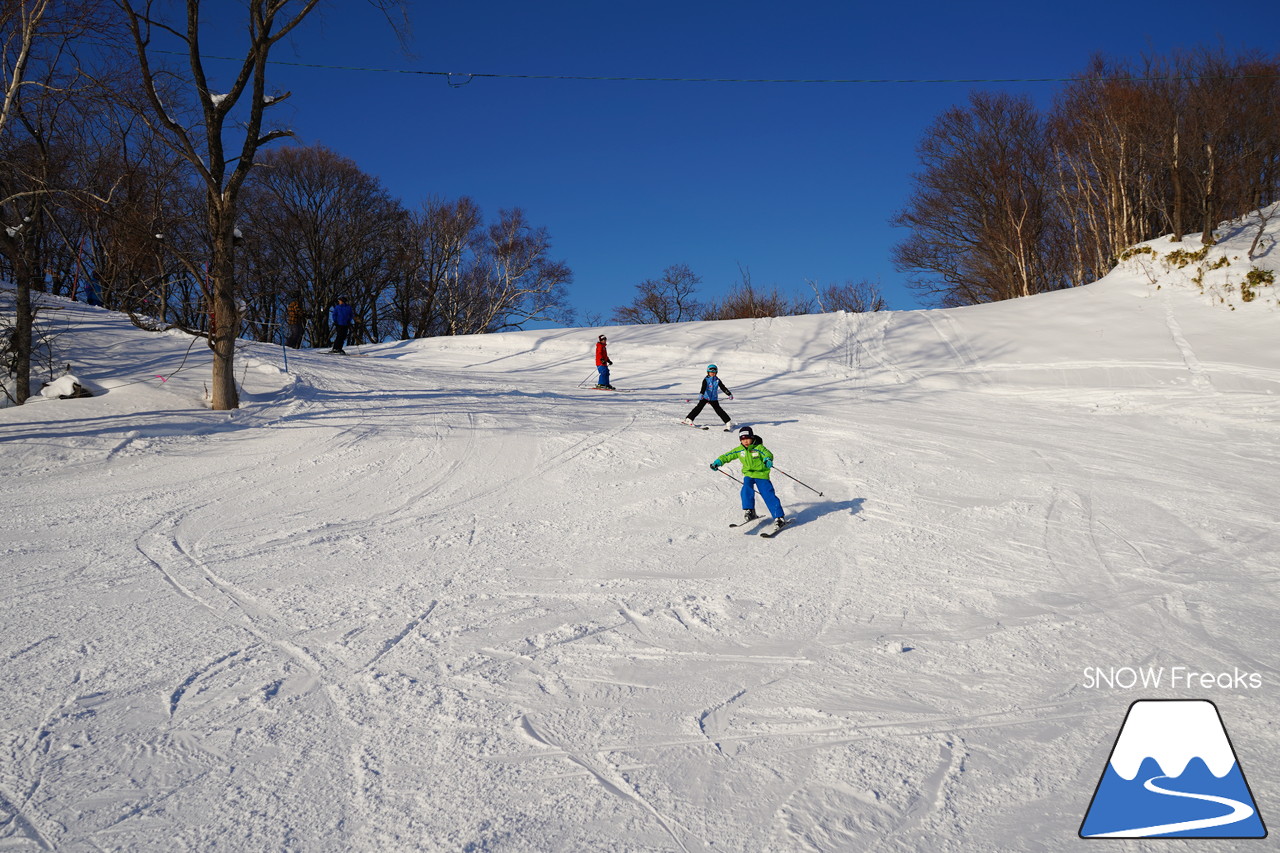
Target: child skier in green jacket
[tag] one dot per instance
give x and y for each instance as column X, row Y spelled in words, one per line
column 756, row 461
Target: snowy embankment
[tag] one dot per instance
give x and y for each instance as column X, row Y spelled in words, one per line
column 441, row 597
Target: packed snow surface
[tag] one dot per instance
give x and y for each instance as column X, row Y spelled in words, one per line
column 444, row 596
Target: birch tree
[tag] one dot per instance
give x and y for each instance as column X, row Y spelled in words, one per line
column 980, row 217
column 511, row 281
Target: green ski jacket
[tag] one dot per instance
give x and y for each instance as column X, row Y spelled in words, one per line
column 753, row 460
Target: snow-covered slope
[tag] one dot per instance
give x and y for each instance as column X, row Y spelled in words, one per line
column 443, row 597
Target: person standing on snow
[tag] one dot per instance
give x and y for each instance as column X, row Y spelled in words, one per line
column 293, row 319
column 756, row 461
column 341, row 316
column 710, row 393
column 602, row 363
column 93, row 290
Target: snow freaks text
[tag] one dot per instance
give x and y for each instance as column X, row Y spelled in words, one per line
column 1171, row 677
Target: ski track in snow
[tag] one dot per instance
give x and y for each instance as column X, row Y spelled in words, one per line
column 439, row 598
column 1199, row 376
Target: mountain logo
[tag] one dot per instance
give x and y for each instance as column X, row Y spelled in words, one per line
column 1172, row 773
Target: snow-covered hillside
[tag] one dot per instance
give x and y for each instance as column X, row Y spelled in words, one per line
column 441, row 597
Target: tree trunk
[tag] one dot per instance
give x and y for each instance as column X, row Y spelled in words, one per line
column 1175, row 179
column 226, row 314
column 1209, row 220
column 24, row 322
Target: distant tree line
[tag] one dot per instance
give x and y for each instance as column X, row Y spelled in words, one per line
column 1012, row 202
column 671, row 299
column 315, row 227
column 130, row 178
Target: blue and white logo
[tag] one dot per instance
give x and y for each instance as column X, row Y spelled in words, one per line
column 1172, row 774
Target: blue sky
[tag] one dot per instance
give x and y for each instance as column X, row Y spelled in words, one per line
column 793, row 182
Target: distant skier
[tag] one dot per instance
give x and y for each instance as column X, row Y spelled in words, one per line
column 93, row 290
column 341, row 316
column 293, row 319
column 602, row 363
column 710, row 393
column 756, row 461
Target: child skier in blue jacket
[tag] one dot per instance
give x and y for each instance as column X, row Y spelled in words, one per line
column 710, row 393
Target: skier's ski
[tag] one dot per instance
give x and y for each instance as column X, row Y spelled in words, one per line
column 694, row 426
column 616, row 390
column 764, row 519
column 776, row 530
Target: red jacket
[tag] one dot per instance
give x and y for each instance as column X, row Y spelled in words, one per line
column 602, row 354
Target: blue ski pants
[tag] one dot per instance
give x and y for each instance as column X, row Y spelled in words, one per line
column 603, row 369
column 749, row 485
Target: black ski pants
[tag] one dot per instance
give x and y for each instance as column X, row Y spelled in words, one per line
column 714, row 404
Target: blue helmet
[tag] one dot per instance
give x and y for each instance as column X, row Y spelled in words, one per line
column 711, row 368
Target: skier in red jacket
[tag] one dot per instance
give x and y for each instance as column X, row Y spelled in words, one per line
column 602, row 363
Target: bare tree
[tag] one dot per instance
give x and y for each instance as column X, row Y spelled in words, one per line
column 748, row 301
column 980, row 216
column 22, row 24
column 316, row 227
column 512, row 281
column 445, row 237
column 1264, row 215
column 1109, row 139
column 861, row 297
column 666, row 300
column 40, row 79
column 137, row 222
column 1172, row 144
column 221, row 142
column 207, row 143
column 1235, row 126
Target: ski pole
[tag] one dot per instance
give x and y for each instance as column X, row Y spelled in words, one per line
column 584, row 382
column 806, row 485
column 730, row 476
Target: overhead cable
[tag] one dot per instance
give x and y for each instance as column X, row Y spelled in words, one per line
column 465, row 77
